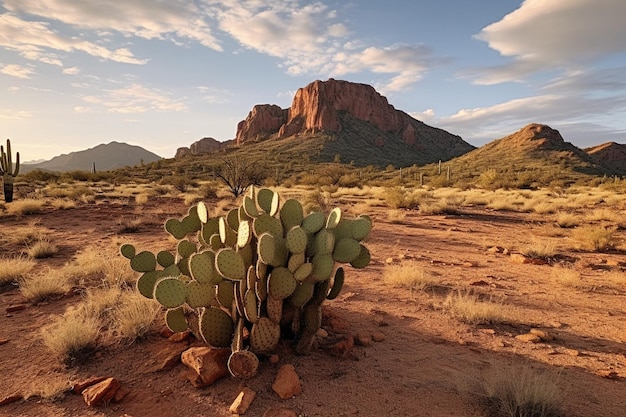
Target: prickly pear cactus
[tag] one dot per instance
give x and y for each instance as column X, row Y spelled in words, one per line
column 252, row 276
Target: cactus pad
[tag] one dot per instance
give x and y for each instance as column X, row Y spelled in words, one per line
column 249, row 206
column 362, row 260
column 202, row 267
column 185, row 248
column 244, row 234
column 146, row 282
column 199, row 294
column 291, row 213
column 303, row 271
column 295, row 260
column 314, row 222
column 225, row 293
column 175, row 320
column 230, row 264
column 266, row 223
column 175, row 228
column 323, row 265
column 346, row 250
column 232, row 218
column 274, row 308
column 324, row 242
column 243, row 364
column 296, row 240
column 128, row 251
column 302, row 294
column 216, row 327
column 203, row 213
column 264, row 335
column 281, row 283
column 170, row 292
column 209, row 228
column 165, row 258
column 250, row 306
column 333, row 218
column 143, row 262
column 227, row 234
column 337, row 284
column 361, row 228
column 267, row 200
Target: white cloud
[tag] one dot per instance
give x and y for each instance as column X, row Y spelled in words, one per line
column 133, row 99
column 554, row 34
column 10, row 114
column 71, row 71
column 17, row 71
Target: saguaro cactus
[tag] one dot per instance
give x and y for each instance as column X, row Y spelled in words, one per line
column 8, row 171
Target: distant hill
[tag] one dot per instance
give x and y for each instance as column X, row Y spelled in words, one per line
column 106, row 157
column 344, row 119
column 611, row 154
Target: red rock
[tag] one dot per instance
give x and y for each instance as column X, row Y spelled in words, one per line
column 243, row 401
column 11, row 399
column 102, row 392
column 166, row 358
column 4, row 341
column 14, row 308
column 209, row 364
column 287, row 382
column 204, row 145
column 363, row 339
column 528, row 338
column 378, row 336
column 180, row 337
column 121, row 393
column 263, row 121
column 79, row 387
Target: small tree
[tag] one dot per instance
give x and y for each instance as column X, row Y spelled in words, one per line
column 238, row 174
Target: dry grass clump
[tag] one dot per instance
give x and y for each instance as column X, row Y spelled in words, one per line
column 471, row 309
column 568, row 277
column 408, row 275
column 50, row 391
column 134, row 317
column 14, row 269
column 142, row 199
column 604, row 214
column 126, row 225
column 72, row 338
column 25, row 207
column 62, row 204
column 42, row 249
column 26, row 234
column 95, row 263
column 398, row 197
column 40, row 287
column 615, row 280
column 539, row 248
column 444, row 206
column 192, row 198
column 567, row 220
column 396, row 216
column 519, row 391
column 595, row 237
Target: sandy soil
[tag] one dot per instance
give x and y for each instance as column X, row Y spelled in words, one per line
column 415, row 371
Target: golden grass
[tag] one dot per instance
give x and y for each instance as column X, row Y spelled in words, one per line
column 396, row 216
column 72, row 338
column 408, row 275
column 39, row 287
column 52, row 390
column 192, row 198
column 26, row 234
column 568, row 277
column 134, row 317
column 444, row 206
column 567, row 220
column 129, row 225
column 26, row 206
column 614, row 279
column 469, row 308
column 540, row 248
column 604, row 214
column 15, row 269
column 42, row 249
column 594, row 237
column 62, row 204
column 142, row 199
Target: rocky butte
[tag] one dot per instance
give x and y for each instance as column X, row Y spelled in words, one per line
column 204, row 145
column 328, row 106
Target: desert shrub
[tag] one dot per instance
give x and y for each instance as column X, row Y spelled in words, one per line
column 72, row 338
column 396, row 216
column 567, row 220
column 469, row 308
column 605, row 215
column 444, row 206
column 540, row 248
column 25, row 207
column 36, row 288
column 134, row 317
column 142, row 199
column 399, row 197
column 568, row 277
column 519, row 391
column 14, row 269
column 409, row 275
column 614, row 279
column 129, row 225
column 61, row 204
column 42, row 249
column 594, row 237
column 316, row 201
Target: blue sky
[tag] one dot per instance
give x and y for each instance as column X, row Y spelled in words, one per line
column 163, row 74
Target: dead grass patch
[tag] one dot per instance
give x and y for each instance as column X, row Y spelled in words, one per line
column 15, row 269
column 62, row 204
column 26, row 206
column 594, row 237
column 396, row 216
column 470, row 308
column 40, row 287
column 410, row 275
column 72, row 338
column 42, row 249
column 567, row 220
column 134, row 317
column 568, row 277
column 129, row 225
column 540, row 248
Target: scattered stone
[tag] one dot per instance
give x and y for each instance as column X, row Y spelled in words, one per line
column 608, row 374
column 389, row 261
column 167, row 358
column 180, row 337
column 287, row 382
column 572, row 352
column 528, row 338
column 166, row 333
column 16, row 307
column 342, row 348
column 518, row 258
column 363, row 339
column 4, row 341
column 280, row 412
column 545, row 336
column 505, row 251
column 209, row 364
column 79, row 387
column 11, row 399
column 479, row 283
column 102, row 392
column 380, row 321
column 243, row 401
column 378, row 336
column 470, row 264
column 495, row 249
column 321, row 333
column 121, row 393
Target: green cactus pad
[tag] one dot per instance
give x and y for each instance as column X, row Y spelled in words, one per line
column 362, row 260
column 128, row 251
column 303, row 272
column 146, row 282
column 232, row 218
column 250, row 306
column 333, row 218
column 296, row 240
column 361, row 228
column 337, row 284
column 227, row 235
column 225, row 293
column 247, row 254
column 343, row 229
column 238, row 300
column 324, row 242
column 243, row 215
column 249, row 206
column 302, row 294
column 243, row 364
column 170, row 292
column 323, row 265
column 267, row 200
column 281, row 283
column 200, row 294
column 216, row 327
column 266, row 248
column 185, row 248
column 165, row 258
column 294, row 262
column 171, row 271
column 314, row 222
column 209, row 228
column 175, row 228
column 244, row 234
column 274, row 308
column 251, row 278
column 202, row 267
column 203, row 213
column 266, row 223
column 346, row 250
column 291, row 213
column 143, row 262
column 264, row 335
column 191, row 222
column 183, row 266
column 215, row 243
column 230, row 264
column 260, row 286
column 175, row 320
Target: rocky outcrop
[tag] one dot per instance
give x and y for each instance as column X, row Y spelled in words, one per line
column 263, row 121
column 537, row 136
column 611, row 154
column 204, row 145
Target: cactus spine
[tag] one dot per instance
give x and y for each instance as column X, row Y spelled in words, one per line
column 8, row 171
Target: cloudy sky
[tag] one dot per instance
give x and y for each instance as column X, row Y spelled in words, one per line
column 164, row 73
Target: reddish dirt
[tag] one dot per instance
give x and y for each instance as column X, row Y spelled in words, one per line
column 416, row 370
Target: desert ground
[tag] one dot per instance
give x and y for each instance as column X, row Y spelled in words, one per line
column 454, row 279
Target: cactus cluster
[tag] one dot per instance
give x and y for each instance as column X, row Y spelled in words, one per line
column 256, row 275
column 8, row 170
